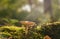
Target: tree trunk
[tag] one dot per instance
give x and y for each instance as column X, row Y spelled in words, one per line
column 48, row 8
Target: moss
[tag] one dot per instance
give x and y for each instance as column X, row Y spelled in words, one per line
column 11, row 31
column 51, row 29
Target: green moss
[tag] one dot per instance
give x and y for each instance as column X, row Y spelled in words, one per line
column 11, row 31
column 51, row 29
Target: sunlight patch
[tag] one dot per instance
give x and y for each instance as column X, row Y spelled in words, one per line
column 26, row 8
column 41, row 1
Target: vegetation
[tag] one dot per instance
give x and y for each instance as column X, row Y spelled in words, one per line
column 52, row 30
